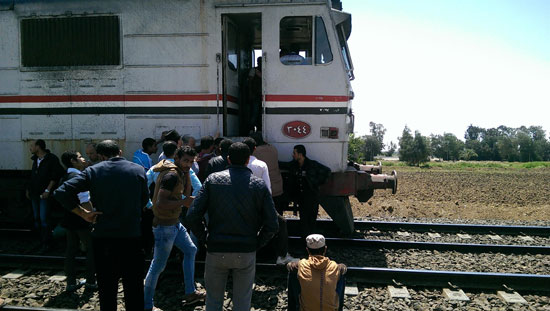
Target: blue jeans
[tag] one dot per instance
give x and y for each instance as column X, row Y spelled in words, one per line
column 165, row 238
column 40, row 208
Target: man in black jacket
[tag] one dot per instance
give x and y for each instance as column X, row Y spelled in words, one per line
column 306, row 176
column 46, row 172
column 118, row 190
column 219, row 163
column 242, row 219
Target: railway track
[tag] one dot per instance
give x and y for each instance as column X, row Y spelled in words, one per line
column 329, row 226
column 459, row 247
column 367, row 275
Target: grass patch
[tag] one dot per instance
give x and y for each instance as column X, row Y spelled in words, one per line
column 468, row 165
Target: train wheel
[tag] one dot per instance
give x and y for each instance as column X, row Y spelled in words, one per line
column 339, row 209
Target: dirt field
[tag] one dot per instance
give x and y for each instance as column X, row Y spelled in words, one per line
column 481, row 193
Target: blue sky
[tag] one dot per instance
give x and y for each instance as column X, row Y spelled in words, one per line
column 440, row 65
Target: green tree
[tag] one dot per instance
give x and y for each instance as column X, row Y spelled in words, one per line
column 446, row 147
column 414, row 150
column 468, row 155
column 421, row 149
column 406, row 145
column 356, row 149
column 526, row 146
column 374, row 143
column 378, row 131
column 391, row 149
column 373, row 147
column 508, row 148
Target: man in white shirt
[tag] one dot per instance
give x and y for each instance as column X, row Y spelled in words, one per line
column 258, row 167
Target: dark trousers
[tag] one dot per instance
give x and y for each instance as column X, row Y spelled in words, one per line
column 117, row 258
column 308, row 205
column 281, row 239
column 294, row 291
column 147, row 238
column 73, row 245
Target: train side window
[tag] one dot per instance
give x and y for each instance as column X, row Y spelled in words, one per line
column 296, row 40
column 323, row 54
column 345, row 51
column 70, row 41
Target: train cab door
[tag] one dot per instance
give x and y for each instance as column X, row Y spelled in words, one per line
column 241, row 78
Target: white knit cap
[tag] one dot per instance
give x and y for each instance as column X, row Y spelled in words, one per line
column 315, row 241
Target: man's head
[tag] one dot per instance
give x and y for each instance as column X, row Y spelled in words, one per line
column 224, row 146
column 207, row 144
column 316, row 244
column 91, row 152
column 257, row 136
column 189, row 140
column 251, row 143
column 299, row 153
column 259, row 63
column 108, row 149
column 38, row 146
column 149, row 145
column 184, row 158
column 174, row 136
column 217, row 142
column 238, row 154
column 169, row 149
column 73, row 159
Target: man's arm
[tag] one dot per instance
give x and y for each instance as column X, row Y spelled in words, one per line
column 48, row 189
column 144, row 190
column 265, row 177
column 195, row 215
column 67, row 195
column 150, row 177
column 343, row 268
column 195, row 183
column 87, row 215
column 269, row 219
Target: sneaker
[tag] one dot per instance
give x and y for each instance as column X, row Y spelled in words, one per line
column 286, row 259
column 193, row 297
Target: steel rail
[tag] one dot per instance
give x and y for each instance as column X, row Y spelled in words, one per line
column 386, row 276
column 327, row 224
column 472, row 280
column 19, row 308
column 459, row 247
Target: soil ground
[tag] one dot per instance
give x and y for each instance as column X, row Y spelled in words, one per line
column 469, row 194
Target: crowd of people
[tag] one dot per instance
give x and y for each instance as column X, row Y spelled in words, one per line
column 223, row 197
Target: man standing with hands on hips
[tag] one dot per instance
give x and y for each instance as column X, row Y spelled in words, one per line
column 118, row 190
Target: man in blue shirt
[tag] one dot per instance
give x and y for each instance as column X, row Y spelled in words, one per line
column 143, row 156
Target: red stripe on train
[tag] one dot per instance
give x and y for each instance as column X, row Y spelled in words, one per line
column 163, row 97
column 306, row 98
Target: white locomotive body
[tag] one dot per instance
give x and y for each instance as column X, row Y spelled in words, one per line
column 72, row 72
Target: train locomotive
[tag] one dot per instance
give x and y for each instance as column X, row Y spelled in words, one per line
column 73, row 72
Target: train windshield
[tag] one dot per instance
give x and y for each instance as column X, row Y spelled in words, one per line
column 345, row 51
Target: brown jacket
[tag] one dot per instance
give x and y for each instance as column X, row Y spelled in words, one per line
column 268, row 154
column 318, row 277
column 167, row 216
